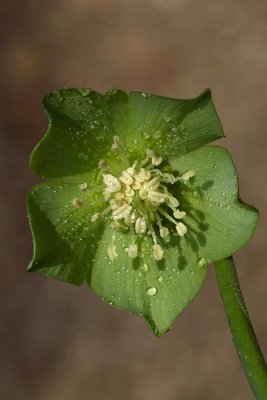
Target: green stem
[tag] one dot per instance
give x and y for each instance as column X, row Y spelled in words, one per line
column 242, row 331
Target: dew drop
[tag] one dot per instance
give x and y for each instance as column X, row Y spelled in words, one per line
column 151, row 291
column 167, row 119
column 145, row 95
column 201, row 262
column 145, row 268
column 146, row 135
column 160, row 279
column 157, row 134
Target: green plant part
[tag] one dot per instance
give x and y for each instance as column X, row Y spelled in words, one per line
column 135, row 202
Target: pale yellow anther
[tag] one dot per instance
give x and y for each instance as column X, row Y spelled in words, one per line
column 189, row 174
column 114, row 204
column 143, row 194
column 112, row 253
column 136, row 185
column 119, row 196
column 179, row 214
column 140, row 225
column 95, row 217
column 157, row 252
column 83, row 186
column 126, row 178
column 169, row 178
column 164, row 232
column 77, row 202
column 156, row 160
column 173, row 201
column 129, row 192
column 122, row 212
column 153, row 184
column 130, row 218
column 181, row 229
column 133, row 217
column 112, row 183
column 156, row 197
column 143, row 175
column 130, row 171
column 133, row 251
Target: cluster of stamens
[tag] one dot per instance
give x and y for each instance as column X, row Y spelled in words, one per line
column 140, row 200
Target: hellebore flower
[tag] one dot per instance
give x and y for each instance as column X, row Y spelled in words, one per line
column 136, row 203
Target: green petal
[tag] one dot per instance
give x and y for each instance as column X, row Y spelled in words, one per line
column 79, row 135
column 158, row 291
column 64, row 236
column 171, row 127
column 219, row 224
column 82, row 124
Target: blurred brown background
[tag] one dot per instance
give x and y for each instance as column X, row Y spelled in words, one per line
column 60, row 342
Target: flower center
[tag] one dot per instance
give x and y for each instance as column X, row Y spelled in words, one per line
column 140, row 199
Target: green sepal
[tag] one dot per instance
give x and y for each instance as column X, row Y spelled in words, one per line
column 82, row 124
column 124, row 282
column 80, row 134
column 64, row 236
column 171, row 127
column 219, row 224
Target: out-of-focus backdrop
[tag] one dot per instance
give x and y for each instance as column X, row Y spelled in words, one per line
column 59, row 342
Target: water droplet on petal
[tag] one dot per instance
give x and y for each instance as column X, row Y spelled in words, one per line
column 201, row 262
column 151, row 291
column 145, row 268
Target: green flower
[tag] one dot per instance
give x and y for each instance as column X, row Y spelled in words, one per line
column 135, row 203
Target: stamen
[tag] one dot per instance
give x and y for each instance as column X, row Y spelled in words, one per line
column 122, row 212
column 179, row 214
column 126, row 178
column 156, row 160
column 130, row 218
column 131, row 170
column 189, row 174
column 132, row 251
column 119, row 196
column 168, row 178
column 166, row 215
column 181, row 229
column 157, row 252
column 112, row 252
column 173, row 201
column 164, row 232
column 153, row 184
column 140, row 225
column 156, row 197
column 140, row 200
column 112, row 183
column 143, row 175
